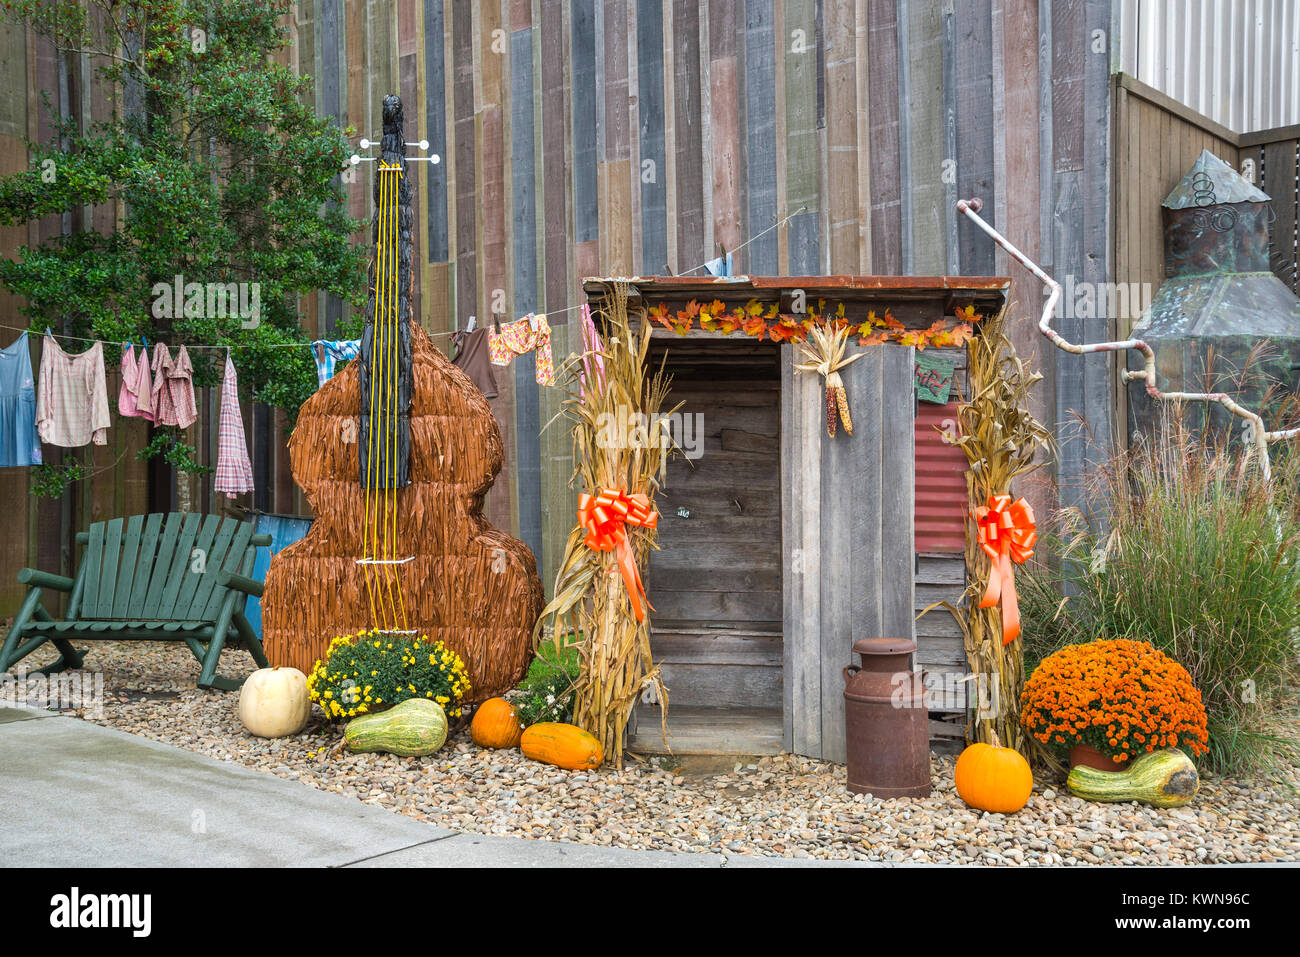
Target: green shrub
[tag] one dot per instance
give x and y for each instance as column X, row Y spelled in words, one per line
column 547, row 690
column 1199, row 557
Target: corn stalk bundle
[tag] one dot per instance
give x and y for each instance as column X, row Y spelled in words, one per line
column 1000, row 439
column 823, row 353
column 592, row 606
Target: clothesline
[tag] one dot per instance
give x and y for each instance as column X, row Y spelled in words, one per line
column 196, row 345
column 68, row 404
column 756, row 236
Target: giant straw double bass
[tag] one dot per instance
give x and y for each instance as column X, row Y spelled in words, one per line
column 395, row 455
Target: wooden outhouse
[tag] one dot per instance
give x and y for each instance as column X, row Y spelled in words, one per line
column 779, row 546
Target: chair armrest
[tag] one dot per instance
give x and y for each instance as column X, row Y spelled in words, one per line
column 249, row 586
column 261, row 538
column 39, row 579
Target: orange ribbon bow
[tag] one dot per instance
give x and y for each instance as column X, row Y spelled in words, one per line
column 605, row 517
column 1007, row 534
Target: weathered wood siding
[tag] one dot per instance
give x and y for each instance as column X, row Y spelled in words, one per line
column 721, row 561
column 846, row 507
column 583, row 137
column 638, row 136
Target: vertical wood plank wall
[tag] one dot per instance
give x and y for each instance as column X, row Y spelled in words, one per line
column 584, row 137
column 857, row 580
column 638, row 136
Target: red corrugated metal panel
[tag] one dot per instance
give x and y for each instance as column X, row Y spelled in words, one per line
column 940, row 481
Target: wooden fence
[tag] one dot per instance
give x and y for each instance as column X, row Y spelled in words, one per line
column 1156, row 142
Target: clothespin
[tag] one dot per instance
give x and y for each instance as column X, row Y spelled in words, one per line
column 532, row 321
column 319, row 347
column 469, row 326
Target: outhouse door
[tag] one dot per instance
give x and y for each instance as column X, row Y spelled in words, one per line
column 716, row 579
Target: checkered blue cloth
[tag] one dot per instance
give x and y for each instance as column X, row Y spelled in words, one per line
column 336, row 350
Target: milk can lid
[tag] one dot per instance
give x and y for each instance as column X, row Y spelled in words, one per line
column 884, row 646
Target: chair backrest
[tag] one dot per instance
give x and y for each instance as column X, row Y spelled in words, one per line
column 161, row 566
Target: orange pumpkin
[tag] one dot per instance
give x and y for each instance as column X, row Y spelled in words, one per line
column 993, row 778
column 496, row 725
column 563, row 745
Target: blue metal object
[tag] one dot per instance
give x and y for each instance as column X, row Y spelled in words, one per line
column 284, row 530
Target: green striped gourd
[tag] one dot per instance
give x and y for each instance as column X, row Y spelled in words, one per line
column 1162, row 779
column 415, row 727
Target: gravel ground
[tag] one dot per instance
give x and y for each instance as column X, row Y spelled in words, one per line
column 780, row 806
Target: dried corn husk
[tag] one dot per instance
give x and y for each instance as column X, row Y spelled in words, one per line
column 842, row 400
column 591, row 599
column 823, row 351
column 1001, row 441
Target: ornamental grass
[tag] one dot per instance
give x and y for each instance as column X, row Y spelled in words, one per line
column 373, row 670
column 1122, row 697
column 1190, row 549
column 592, row 599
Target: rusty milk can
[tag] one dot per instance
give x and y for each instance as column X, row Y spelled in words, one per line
column 886, row 722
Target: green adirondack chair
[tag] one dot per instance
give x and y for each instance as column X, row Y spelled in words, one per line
column 175, row 577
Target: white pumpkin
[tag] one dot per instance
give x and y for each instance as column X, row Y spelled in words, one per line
column 274, row 703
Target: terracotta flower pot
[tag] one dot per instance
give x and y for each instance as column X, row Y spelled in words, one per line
column 1090, row 757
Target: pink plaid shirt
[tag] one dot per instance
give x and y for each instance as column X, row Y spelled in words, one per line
column 72, row 396
column 234, row 472
column 173, row 390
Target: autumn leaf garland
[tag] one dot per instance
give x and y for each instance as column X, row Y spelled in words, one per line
column 757, row 321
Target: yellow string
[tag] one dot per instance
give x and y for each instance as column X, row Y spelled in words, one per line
column 371, row 527
column 395, row 346
column 365, row 487
column 384, row 354
column 386, row 370
column 386, row 397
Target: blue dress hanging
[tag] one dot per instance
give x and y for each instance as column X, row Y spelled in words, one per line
column 19, row 443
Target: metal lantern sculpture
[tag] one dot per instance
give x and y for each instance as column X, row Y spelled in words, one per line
column 395, row 455
column 1219, row 302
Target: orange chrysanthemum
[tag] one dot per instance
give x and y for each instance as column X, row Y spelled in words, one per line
column 1122, row 697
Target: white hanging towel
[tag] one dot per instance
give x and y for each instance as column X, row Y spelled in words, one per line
column 234, row 471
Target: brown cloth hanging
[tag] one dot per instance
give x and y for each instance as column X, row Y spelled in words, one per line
column 472, row 357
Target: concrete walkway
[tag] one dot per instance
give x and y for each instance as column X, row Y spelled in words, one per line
column 74, row 794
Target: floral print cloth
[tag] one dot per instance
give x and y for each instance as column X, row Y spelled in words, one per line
column 518, row 338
